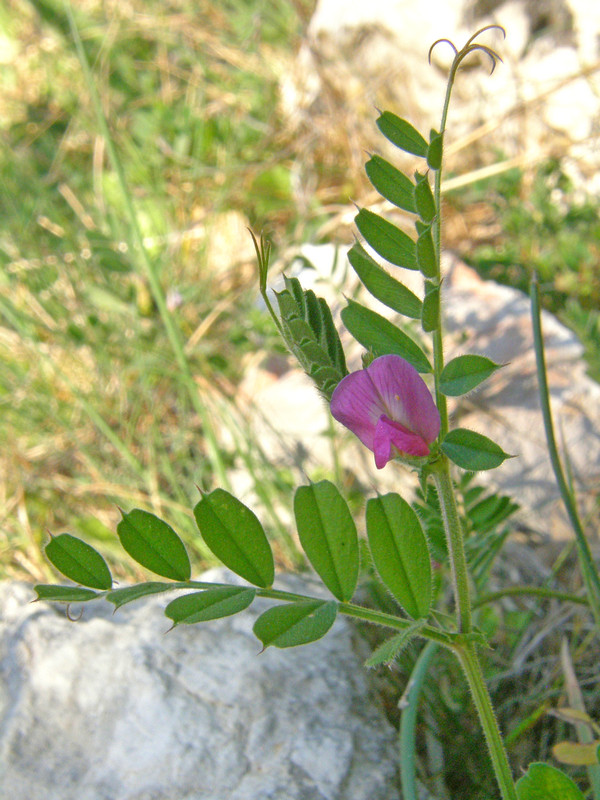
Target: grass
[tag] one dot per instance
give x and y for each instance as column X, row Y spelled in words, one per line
column 95, row 408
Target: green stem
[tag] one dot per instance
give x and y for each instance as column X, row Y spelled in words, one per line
column 586, row 560
column 454, row 538
column 529, row 591
column 438, row 338
column 469, row 661
column 408, row 721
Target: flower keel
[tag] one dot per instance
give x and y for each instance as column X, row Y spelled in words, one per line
column 389, row 407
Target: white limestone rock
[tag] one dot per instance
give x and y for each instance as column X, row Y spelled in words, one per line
column 112, row 708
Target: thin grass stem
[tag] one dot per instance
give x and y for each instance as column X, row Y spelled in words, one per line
column 151, row 274
column 588, row 567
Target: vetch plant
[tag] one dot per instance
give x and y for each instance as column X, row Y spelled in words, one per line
column 394, row 413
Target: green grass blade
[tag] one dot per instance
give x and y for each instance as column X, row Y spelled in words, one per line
column 586, row 561
column 137, row 245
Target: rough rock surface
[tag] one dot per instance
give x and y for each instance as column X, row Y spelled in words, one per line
column 112, row 708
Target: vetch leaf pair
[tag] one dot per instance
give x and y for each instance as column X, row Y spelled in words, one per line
column 398, row 546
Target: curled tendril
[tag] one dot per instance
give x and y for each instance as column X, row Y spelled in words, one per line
column 440, row 41
column 73, row 619
column 470, row 47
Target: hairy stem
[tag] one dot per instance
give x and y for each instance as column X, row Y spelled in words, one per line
column 469, row 661
column 454, row 539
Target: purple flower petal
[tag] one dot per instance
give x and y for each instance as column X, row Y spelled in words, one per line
column 389, row 435
column 387, row 405
column 356, row 404
column 405, row 396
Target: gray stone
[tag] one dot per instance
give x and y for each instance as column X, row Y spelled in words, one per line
column 111, row 707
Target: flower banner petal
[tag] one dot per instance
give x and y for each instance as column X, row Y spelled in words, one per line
column 405, row 396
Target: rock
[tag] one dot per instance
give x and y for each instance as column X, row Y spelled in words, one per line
column 541, row 102
column 495, row 321
column 112, row 708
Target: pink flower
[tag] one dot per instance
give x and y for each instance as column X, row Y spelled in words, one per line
column 389, row 407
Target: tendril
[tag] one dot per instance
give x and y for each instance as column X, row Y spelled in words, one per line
column 470, row 47
column 440, row 41
column 73, row 619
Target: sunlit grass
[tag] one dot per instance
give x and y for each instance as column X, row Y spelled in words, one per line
column 95, row 410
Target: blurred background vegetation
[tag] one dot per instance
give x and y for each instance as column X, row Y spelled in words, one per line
column 117, row 392
column 96, row 411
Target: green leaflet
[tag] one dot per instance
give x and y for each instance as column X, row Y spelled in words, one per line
column 296, row 623
column 223, row 601
column 328, row 536
column 128, row 594
column 234, row 534
column 391, row 183
column 464, row 373
column 424, row 200
column 400, row 552
column 378, row 334
column 78, row 561
column 382, row 286
column 426, row 257
column 435, row 150
column 543, row 782
column 472, row 451
column 63, row 594
column 154, row 545
column 387, row 240
column 430, row 316
column 401, row 133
